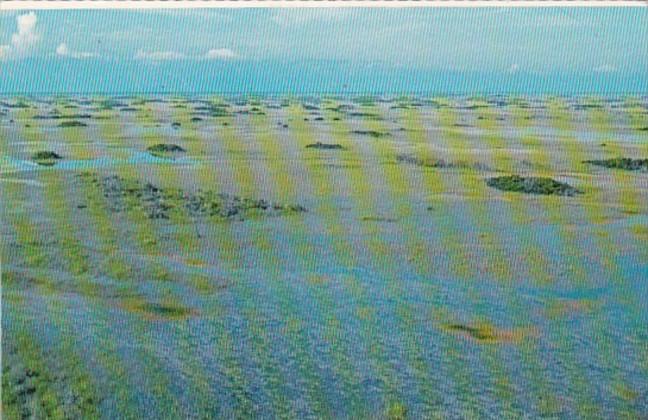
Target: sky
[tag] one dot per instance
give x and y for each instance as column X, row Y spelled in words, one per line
column 324, row 49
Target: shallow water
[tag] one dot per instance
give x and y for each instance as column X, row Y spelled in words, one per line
column 366, row 300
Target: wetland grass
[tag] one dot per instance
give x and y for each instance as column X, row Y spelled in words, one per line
column 323, row 304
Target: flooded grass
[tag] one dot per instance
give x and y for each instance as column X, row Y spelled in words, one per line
column 245, row 270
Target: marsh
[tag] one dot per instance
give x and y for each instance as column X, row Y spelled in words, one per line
column 344, row 267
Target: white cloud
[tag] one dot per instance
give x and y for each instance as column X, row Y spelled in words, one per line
column 24, row 39
column 220, row 54
column 63, row 51
column 4, row 51
column 605, row 68
column 26, row 35
column 514, row 68
column 159, row 55
column 213, row 54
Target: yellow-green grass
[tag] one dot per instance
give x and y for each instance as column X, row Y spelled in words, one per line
column 144, row 232
column 626, row 184
column 460, row 148
column 26, row 231
column 400, row 193
column 600, row 119
column 321, row 180
column 116, row 263
column 558, row 214
column 571, row 149
column 207, row 175
column 351, row 163
column 530, row 251
column 46, row 395
column 452, row 236
column 362, row 191
column 150, row 310
column 594, row 207
column 269, row 145
column 283, row 174
column 476, row 194
column 537, row 148
column 159, row 310
column 231, row 255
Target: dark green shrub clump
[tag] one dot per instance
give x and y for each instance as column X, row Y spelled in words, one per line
column 371, row 133
column 161, row 203
column 481, row 332
column 325, row 146
column 163, row 148
column 439, row 163
column 46, row 158
column 621, row 163
column 532, row 185
column 73, row 123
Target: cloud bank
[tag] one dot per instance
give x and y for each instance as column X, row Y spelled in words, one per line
column 605, row 68
column 23, row 40
column 212, row 54
column 63, row 51
column 219, row 54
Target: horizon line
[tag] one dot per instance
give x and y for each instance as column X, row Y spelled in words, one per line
column 9, row 5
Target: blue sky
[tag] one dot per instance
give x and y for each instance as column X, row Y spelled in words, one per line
column 602, row 45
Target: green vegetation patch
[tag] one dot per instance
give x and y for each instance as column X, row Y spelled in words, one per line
column 485, row 332
column 160, row 203
column 46, row 157
column 370, row 133
column 626, row 164
column 479, row 332
column 158, row 310
column 165, row 149
column 39, row 384
column 440, row 163
column 378, row 219
column 72, row 123
column 325, row 146
column 532, row 185
column 396, row 411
